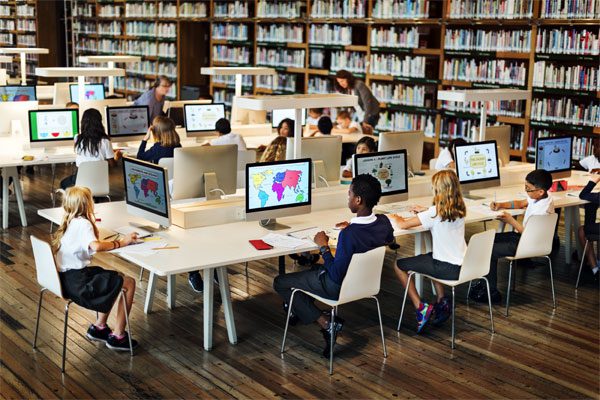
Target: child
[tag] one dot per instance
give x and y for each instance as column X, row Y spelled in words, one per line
column 364, row 232
column 592, row 163
column 365, row 145
column 165, row 137
column 314, row 114
column 446, row 157
column 324, row 127
column 590, row 226
column 94, row 288
column 72, row 105
column 345, row 124
column 226, row 137
column 93, row 144
column 446, row 221
column 538, row 202
column 276, row 149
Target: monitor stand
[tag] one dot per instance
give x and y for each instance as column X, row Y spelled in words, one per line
column 272, row 224
column 149, row 228
column 211, row 187
column 319, row 174
column 468, row 195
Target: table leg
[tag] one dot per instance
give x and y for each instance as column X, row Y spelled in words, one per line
column 5, row 208
column 571, row 227
column 81, row 92
column 227, row 308
column 209, row 287
column 171, row 291
column 7, row 173
column 111, row 80
column 150, row 293
column 23, row 69
column 19, row 195
column 281, row 265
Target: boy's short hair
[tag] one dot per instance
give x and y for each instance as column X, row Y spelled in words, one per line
column 343, row 115
column 223, row 126
column 316, row 110
column 540, row 178
column 369, row 142
column 71, row 104
column 368, row 188
column 325, row 125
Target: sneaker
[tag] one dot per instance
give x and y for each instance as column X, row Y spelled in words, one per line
column 195, row 281
column 481, row 296
column 99, row 335
column 120, row 344
column 423, row 315
column 338, row 324
column 441, row 312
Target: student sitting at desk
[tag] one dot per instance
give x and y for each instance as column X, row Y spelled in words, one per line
column 276, row 149
column 364, row 232
column 74, row 243
column 365, row 145
column 446, row 157
column 446, row 221
column 324, row 127
column 92, row 144
column 591, row 163
column 345, row 124
column 226, row 137
column 538, row 202
column 166, row 140
column 590, row 227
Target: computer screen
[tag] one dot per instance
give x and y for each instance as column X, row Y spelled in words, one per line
column 127, row 121
column 278, row 115
column 389, row 167
column 278, row 185
column 17, row 93
column 476, row 162
column 202, row 117
column 554, row 153
column 53, row 125
column 92, row 91
column 146, row 190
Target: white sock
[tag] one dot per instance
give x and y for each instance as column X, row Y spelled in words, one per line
column 595, row 270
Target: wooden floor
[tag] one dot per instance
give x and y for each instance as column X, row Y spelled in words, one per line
column 536, row 352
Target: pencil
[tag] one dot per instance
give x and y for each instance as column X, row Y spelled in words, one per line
column 165, row 248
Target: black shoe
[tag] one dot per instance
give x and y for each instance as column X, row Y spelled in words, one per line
column 441, row 312
column 478, row 285
column 481, row 296
column 338, row 324
column 120, row 344
column 196, row 282
column 96, row 334
column 588, row 276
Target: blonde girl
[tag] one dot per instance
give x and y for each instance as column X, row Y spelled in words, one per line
column 94, row 288
column 446, row 221
column 165, row 139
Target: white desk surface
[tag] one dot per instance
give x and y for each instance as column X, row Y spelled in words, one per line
column 24, row 50
column 65, row 72
column 483, row 95
column 295, row 101
column 237, row 71
column 105, row 59
column 5, row 59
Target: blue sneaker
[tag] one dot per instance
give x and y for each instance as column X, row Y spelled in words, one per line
column 423, row 314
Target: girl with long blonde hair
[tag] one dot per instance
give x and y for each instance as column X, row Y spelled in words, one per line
column 165, row 137
column 74, row 243
column 446, row 221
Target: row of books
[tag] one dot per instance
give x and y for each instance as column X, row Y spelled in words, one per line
column 280, row 33
column 25, row 10
column 491, row 9
column 392, row 64
column 330, row 34
column 278, row 82
column 518, row 40
column 568, row 41
column 146, row 67
column 111, row 11
column 399, row 93
column 223, row 96
column 145, row 9
column 318, row 84
column 513, row 108
column 7, row 24
column 7, row 39
column 197, row 9
column 26, row 40
column 567, row 9
column 234, row 9
column 5, row 11
column 276, row 9
column 110, row 28
column 316, row 59
column 231, row 54
column 83, row 10
column 150, row 29
column 565, row 111
column 499, row 71
column 352, row 61
column 338, row 9
column 280, row 57
column 400, row 9
column 582, row 145
column 229, row 80
column 452, row 128
column 394, row 37
column 26, row 25
column 573, row 77
column 401, row 121
column 230, row 32
column 167, row 10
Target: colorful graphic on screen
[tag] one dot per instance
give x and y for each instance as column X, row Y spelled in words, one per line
column 278, row 185
column 92, row 91
column 389, row 169
column 17, row 93
column 145, row 187
column 202, row 117
column 554, row 154
column 127, row 121
column 477, row 161
column 53, row 125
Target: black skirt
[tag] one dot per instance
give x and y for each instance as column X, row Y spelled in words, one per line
column 93, row 288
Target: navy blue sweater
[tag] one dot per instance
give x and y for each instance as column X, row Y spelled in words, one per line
column 586, row 193
column 155, row 153
column 357, row 238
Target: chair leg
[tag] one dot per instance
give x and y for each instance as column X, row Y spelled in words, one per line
column 581, row 263
column 551, row 282
column 469, row 291
column 246, row 270
column 380, row 326
column 453, row 308
column 508, row 287
column 487, row 284
column 37, row 321
column 127, row 322
column 141, row 278
column 410, row 275
column 287, row 320
column 331, row 342
column 64, row 353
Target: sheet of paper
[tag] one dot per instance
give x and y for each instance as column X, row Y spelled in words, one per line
column 277, row 240
column 308, row 233
column 127, row 229
column 485, row 210
column 145, row 248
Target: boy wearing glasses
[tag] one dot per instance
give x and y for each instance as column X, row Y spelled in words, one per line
column 538, row 202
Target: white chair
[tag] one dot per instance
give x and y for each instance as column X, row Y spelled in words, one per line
column 536, row 241
column 588, row 238
column 48, row 279
column 362, row 280
column 432, row 164
column 167, row 163
column 476, row 265
column 93, row 175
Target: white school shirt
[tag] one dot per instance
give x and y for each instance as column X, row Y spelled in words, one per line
column 590, row 163
column 75, row 251
column 230, row 138
column 350, row 165
column 105, row 152
column 443, row 159
column 538, row 207
column 356, row 125
column 448, row 238
column 364, row 220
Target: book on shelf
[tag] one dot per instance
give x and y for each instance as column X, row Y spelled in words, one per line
column 330, row 34
column 353, row 61
column 509, row 108
column 232, row 54
column 280, row 57
column 495, row 71
column 569, row 9
column 508, row 40
column 343, row 9
column 495, row 9
column 399, row 93
column 110, row 11
column 280, row 33
column 145, row 9
column 571, row 77
column 197, row 9
column 566, row 111
column 400, row 9
column 396, row 65
column 317, row 84
column 234, row 9
column 279, row 82
column 394, row 37
column 401, row 121
column 279, row 9
column 234, row 32
column 575, row 40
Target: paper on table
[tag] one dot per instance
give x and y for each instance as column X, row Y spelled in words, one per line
column 127, row 229
column 141, row 248
column 485, row 210
column 277, row 240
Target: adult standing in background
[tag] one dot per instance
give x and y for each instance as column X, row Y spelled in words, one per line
column 155, row 97
column 346, row 83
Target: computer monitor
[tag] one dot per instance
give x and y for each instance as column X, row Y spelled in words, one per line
column 204, row 171
column 17, row 93
column 174, row 109
column 14, row 116
column 53, row 128
column 200, row 119
column 146, row 191
column 92, row 91
column 391, row 170
column 325, row 152
column 477, row 165
column 278, row 189
column 278, row 115
column 412, row 141
column 501, row 134
column 554, row 154
column 128, row 122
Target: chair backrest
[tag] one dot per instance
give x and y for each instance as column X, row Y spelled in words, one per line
column 167, row 162
column 432, row 163
column 476, row 262
column 536, row 240
column 245, row 157
column 94, row 175
column 363, row 277
column 47, row 274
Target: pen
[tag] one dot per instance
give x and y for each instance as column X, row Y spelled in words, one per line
column 145, row 236
column 165, row 248
column 111, row 236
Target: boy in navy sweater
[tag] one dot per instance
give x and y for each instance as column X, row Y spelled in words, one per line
column 363, row 233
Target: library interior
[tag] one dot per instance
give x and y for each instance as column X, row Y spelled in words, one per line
column 231, row 198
